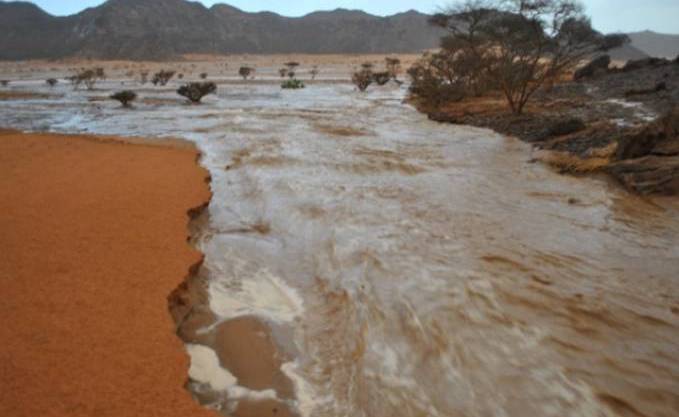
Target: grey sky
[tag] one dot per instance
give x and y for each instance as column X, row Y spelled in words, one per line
column 607, row 15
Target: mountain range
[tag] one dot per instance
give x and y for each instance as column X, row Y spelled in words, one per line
column 165, row 29
column 160, row 29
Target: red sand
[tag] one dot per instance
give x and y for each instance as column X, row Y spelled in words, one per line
column 92, row 241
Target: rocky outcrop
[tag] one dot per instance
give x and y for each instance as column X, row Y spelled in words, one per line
column 596, row 67
column 647, row 161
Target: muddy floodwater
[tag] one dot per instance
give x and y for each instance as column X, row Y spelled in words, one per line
column 376, row 264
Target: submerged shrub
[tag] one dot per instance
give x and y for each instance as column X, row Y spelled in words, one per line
column 363, row 78
column 162, row 77
column 89, row 77
column 293, row 84
column 381, row 78
column 245, row 72
column 196, row 91
column 125, row 97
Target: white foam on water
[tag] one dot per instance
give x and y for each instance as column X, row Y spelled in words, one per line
column 260, row 293
column 206, row 369
column 307, row 399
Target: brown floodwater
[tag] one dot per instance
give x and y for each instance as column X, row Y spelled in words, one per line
column 364, row 261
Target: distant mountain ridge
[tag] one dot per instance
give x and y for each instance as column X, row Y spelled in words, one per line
column 162, row 29
column 165, row 29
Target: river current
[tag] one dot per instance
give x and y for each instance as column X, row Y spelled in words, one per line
column 409, row 268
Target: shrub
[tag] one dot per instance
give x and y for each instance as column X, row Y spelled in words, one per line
column 314, row 72
column 4, row 83
column 283, row 72
column 196, row 91
column 293, row 84
column 431, row 87
column 51, row 82
column 144, row 77
column 203, row 76
column 125, row 97
column 245, row 72
column 381, row 78
column 362, row 78
column 393, row 67
column 162, row 77
column 89, row 77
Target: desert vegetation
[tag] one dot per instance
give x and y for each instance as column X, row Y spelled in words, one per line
column 88, row 77
column 363, row 77
column 195, row 92
column 393, row 66
column 162, row 77
column 514, row 47
column 314, row 72
column 125, row 97
column 290, row 72
column 245, row 72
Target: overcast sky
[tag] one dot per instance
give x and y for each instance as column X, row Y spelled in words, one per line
column 607, row 15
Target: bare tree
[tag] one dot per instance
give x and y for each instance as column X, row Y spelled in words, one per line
column 162, row 77
column 144, row 75
column 521, row 44
column 314, row 72
column 89, row 77
column 196, row 91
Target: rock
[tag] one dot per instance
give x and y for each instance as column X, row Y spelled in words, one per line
column 595, row 67
column 648, row 175
column 566, row 127
column 661, row 135
column 661, row 86
column 444, row 117
column 644, row 63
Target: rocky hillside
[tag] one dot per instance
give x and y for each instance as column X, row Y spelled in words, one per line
column 656, row 44
column 160, row 29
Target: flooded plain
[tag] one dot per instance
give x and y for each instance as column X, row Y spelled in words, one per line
column 363, row 261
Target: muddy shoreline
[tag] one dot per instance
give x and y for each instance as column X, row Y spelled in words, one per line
column 620, row 122
column 94, row 232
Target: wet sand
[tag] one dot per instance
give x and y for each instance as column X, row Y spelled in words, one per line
column 93, row 240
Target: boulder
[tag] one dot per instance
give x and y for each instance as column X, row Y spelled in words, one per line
column 648, row 175
column 566, row 126
column 638, row 64
column 595, row 67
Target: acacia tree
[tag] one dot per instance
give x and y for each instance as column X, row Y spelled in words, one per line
column 195, row 92
column 520, row 45
column 125, row 97
column 291, row 67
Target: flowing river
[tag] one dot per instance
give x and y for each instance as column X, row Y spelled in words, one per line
column 406, row 268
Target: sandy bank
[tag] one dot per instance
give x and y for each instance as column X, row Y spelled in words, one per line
column 93, row 240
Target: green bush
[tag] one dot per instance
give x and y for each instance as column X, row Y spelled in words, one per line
column 293, row 84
